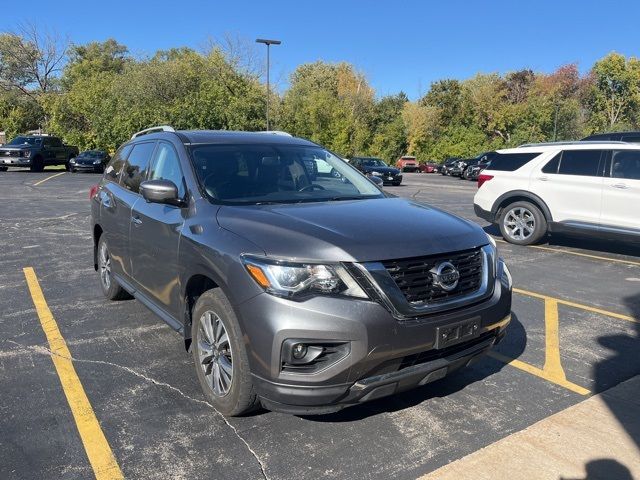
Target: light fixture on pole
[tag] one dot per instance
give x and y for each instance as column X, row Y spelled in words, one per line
column 268, row 43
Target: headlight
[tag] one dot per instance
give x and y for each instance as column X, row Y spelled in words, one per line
column 25, row 153
column 297, row 279
column 492, row 241
column 72, row 160
column 377, row 174
column 97, row 162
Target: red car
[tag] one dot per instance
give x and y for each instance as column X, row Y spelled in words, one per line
column 428, row 168
column 407, row 163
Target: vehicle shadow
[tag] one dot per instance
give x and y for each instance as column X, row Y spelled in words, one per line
column 604, row 469
column 513, row 346
column 591, row 244
column 624, row 363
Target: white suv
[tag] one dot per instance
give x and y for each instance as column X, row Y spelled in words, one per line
column 588, row 187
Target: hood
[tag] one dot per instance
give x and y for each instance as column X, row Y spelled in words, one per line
column 357, row 230
column 15, row 148
column 391, row 170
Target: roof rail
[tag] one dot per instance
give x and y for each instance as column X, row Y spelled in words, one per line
column 577, row 142
column 160, row 128
column 277, row 132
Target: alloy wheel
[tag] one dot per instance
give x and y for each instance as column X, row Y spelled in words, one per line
column 519, row 223
column 214, row 353
column 105, row 266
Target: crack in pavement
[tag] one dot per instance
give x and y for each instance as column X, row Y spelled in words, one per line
column 47, row 352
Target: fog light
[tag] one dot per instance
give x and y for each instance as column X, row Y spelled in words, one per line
column 299, row 351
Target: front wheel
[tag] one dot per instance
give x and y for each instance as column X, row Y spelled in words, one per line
column 522, row 223
column 4, row 169
column 220, row 356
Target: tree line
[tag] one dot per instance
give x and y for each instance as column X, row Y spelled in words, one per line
column 96, row 95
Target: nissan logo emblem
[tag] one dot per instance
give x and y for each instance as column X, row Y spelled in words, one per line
column 445, row 276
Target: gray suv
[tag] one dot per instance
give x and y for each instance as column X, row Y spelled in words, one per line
column 296, row 290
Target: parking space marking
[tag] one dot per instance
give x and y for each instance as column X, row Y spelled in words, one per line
column 552, row 370
column 525, row 367
column 580, row 306
column 97, row 447
column 579, row 254
column 48, row 178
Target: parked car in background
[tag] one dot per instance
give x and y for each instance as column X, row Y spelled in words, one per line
column 629, row 137
column 567, row 187
column 459, row 167
column 428, row 167
column 407, row 163
column 378, row 168
column 447, row 165
column 36, row 152
column 476, row 165
column 303, row 297
column 89, row 161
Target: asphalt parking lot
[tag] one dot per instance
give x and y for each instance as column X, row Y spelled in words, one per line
column 575, row 332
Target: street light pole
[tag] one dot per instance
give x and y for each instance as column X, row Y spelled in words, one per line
column 268, row 43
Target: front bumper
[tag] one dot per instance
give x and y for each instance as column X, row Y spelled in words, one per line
column 387, row 179
column 87, row 167
column 15, row 162
column 385, row 355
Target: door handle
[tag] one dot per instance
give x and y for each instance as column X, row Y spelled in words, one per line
column 622, row 186
column 543, row 179
column 136, row 219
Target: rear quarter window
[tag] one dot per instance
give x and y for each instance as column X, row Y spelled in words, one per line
column 112, row 172
column 509, row 162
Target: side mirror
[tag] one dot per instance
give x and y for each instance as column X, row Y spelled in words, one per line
column 160, row 191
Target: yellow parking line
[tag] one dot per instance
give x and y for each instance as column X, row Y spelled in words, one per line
column 552, row 364
column 101, row 457
column 580, row 306
column 48, row 178
column 525, row 367
column 579, row 254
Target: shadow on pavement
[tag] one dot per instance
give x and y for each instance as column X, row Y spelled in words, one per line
column 604, row 469
column 513, row 345
column 625, row 404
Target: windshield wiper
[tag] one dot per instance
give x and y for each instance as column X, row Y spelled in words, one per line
column 353, row 197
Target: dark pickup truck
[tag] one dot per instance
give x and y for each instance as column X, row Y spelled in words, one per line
column 36, row 152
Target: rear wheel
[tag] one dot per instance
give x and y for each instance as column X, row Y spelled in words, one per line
column 522, row 223
column 220, row 356
column 110, row 286
column 4, row 169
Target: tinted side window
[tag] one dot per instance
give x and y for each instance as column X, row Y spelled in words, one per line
column 55, row 142
column 509, row 162
column 626, row 164
column 166, row 166
column 112, row 172
column 580, row 162
column 135, row 168
column 552, row 165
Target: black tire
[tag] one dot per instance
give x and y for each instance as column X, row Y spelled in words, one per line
column 111, row 288
column 72, row 170
column 240, row 398
column 37, row 164
column 4, row 169
column 532, row 224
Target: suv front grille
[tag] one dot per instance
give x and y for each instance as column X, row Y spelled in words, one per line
column 413, row 278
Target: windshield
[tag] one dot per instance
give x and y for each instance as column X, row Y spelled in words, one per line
column 258, row 174
column 25, row 141
column 91, row 153
column 373, row 162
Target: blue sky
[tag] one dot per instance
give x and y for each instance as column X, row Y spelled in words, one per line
column 398, row 45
